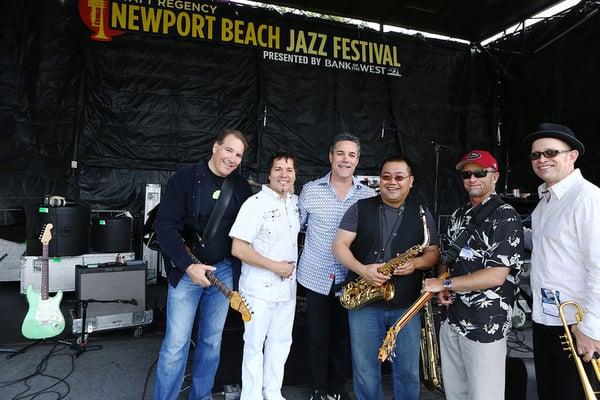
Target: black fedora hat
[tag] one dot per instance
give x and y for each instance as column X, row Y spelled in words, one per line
column 556, row 131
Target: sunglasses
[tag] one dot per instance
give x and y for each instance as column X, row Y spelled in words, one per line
column 551, row 153
column 397, row 178
column 481, row 173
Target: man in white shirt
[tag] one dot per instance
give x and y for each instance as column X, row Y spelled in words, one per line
column 264, row 237
column 565, row 260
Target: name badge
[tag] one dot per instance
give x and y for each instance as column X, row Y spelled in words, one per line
column 550, row 298
column 466, row 252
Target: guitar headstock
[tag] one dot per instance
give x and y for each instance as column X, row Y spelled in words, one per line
column 389, row 344
column 46, row 235
column 239, row 304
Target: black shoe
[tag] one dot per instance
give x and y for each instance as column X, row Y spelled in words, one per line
column 318, row 395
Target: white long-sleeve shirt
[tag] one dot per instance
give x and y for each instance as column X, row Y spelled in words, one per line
column 566, row 252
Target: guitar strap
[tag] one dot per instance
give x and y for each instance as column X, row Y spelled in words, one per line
column 451, row 252
column 218, row 210
column 215, row 216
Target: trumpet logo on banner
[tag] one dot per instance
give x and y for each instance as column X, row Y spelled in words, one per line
column 95, row 14
column 280, row 40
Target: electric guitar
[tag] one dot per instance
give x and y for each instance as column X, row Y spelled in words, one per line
column 44, row 318
column 236, row 300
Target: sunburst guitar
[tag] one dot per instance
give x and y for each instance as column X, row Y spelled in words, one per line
column 236, row 300
column 44, row 318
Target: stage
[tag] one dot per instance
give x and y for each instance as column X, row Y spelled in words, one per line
column 124, row 369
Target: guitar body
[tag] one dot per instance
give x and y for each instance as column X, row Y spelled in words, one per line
column 44, row 318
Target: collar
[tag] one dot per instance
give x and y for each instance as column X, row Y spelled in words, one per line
column 325, row 181
column 470, row 207
column 271, row 193
column 562, row 187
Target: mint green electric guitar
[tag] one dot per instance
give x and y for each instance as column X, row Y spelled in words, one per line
column 44, row 318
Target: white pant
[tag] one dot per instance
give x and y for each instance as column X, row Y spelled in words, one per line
column 270, row 327
column 471, row 370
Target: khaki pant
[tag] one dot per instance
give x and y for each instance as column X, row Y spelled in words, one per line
column 471, row 370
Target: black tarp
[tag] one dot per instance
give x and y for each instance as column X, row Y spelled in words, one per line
column 133, row 110
column 558, row 83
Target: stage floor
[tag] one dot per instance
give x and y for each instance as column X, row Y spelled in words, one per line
column 122, row 370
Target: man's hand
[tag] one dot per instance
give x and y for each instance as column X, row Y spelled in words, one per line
column 444, row 298
column 282, row 268
column 586, row 346
column 405, row 269
column 432, row 285
column 198, row 273
column 373, row 276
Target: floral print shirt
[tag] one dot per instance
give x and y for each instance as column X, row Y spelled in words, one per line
column 486, row 315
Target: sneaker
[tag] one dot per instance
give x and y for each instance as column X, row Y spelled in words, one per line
column 318, row 395
column 339, row 396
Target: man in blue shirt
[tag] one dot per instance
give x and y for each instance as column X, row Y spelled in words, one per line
column 322, row 204
column 186, row 206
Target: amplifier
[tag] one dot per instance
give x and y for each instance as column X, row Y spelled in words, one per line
column 117, row 286
column 112, row 281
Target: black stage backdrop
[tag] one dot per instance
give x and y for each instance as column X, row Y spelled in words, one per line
column 132, row 110
column 555, row 81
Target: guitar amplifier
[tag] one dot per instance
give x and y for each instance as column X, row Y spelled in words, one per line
column 116, row 296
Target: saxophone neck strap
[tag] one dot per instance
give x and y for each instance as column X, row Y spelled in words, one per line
column 450, row 254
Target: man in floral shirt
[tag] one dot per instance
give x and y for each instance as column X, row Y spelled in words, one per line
column 482, row 289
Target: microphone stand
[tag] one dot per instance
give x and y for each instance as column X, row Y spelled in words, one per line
column 81, row 343
column 436, row 150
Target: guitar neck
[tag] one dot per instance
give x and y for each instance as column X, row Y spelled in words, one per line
column 44, row 286
column 212, row 277
column 220, row 285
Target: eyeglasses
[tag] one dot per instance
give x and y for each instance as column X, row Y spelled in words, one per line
column 397, row 178
column 480, row 173
column 551, row 153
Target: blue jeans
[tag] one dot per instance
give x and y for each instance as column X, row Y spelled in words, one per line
column 182, row 303
column 368, row 326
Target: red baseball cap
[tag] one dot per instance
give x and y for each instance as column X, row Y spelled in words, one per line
column 480, row 157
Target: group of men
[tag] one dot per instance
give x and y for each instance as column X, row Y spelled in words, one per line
column 209, row 211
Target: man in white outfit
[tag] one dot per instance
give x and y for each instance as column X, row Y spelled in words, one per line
column 565, row 261
column 264, row 237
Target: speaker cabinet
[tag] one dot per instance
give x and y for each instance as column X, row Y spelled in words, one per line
column 520, row 379
column 70, row 234
column 111, row 234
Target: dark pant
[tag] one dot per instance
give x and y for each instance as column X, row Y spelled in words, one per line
column 555, row 371
column 329, row 341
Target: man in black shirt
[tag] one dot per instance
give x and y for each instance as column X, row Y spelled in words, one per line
column 186, row 206
column 481, row 291
column 373, row 231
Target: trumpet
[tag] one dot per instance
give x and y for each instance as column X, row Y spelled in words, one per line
column 567, row 341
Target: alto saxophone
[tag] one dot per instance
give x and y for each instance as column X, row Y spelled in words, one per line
column 359, row 292
column 430, row 352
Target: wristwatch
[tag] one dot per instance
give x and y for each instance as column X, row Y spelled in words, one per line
column 447, row 283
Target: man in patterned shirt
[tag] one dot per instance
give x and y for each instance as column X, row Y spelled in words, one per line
column 322, row 204
column 483, row 287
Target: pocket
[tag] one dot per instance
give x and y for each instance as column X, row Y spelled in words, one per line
column 272, row 230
